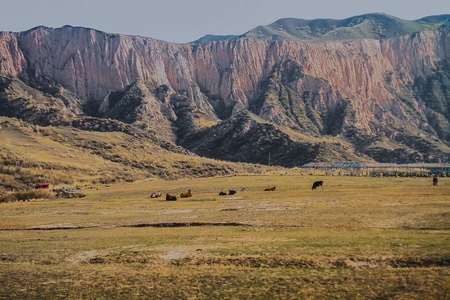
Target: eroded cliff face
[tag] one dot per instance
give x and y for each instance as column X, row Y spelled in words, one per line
column 12, row 61
column 291, row 83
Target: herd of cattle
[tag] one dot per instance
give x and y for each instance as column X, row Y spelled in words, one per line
column 76, row 193
column 170, row 197
column 188, row 193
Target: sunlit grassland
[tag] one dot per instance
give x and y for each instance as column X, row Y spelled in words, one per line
column 31, row 154
column 358, row 238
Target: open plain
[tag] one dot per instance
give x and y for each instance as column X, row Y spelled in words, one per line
column 357, row 238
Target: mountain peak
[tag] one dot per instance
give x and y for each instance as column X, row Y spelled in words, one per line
column 367, row 26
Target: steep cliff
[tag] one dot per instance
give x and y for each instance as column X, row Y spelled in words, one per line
column 376, row 83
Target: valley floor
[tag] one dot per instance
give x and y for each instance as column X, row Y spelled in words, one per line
column 357, row 238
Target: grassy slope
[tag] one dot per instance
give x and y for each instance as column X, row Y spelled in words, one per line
column 358, row 238
column 65, row 156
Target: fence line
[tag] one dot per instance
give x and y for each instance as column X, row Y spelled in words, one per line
column 377, row 169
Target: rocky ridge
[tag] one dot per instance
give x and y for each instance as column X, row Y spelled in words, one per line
column 377, row 87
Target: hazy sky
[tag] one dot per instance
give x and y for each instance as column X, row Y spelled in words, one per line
column 183, row 21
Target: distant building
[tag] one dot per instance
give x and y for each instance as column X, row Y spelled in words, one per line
column 377, row 169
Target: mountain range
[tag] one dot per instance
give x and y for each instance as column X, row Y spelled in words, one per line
column 367, row 88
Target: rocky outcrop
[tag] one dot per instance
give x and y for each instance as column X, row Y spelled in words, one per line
column 356, row 89
column 247, row 138
column 12, row 60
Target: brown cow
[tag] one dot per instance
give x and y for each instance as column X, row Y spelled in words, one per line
column 222, row 193
column 171, row 197
column 435, row 181
column 270, row 188
column 186, row 194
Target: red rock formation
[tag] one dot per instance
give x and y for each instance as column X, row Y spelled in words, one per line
column 369, row 73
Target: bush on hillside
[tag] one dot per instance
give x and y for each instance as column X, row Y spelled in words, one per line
column 26, row 196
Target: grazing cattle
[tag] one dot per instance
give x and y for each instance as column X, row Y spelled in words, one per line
column 435, row 181
column 270, row 188
column 156, row 195
column 222, row 193
column 171, row 197
column 317, row 184
column 186, row 194
column 232, row 192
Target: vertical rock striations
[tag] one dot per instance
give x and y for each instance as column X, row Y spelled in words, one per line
column 355, row 88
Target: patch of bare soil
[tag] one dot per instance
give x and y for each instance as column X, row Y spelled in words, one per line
column 178, row 252
column 136, row 254
column 86, row 256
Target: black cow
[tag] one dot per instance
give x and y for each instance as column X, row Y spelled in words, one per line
column 317, row 184
column 171, row 197
column 435, row 181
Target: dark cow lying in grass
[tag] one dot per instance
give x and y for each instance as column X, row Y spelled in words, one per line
column 317, row 184
column 230, row 192
column 270, row 188
column 186, row 194
column 171, row 197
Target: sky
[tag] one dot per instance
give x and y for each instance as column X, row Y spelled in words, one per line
column 182, row 21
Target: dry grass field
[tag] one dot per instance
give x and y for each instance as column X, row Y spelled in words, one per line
column 31, row 154
column 358, row 238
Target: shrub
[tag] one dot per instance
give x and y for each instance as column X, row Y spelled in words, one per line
column 8, row 198
column 27, row 196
